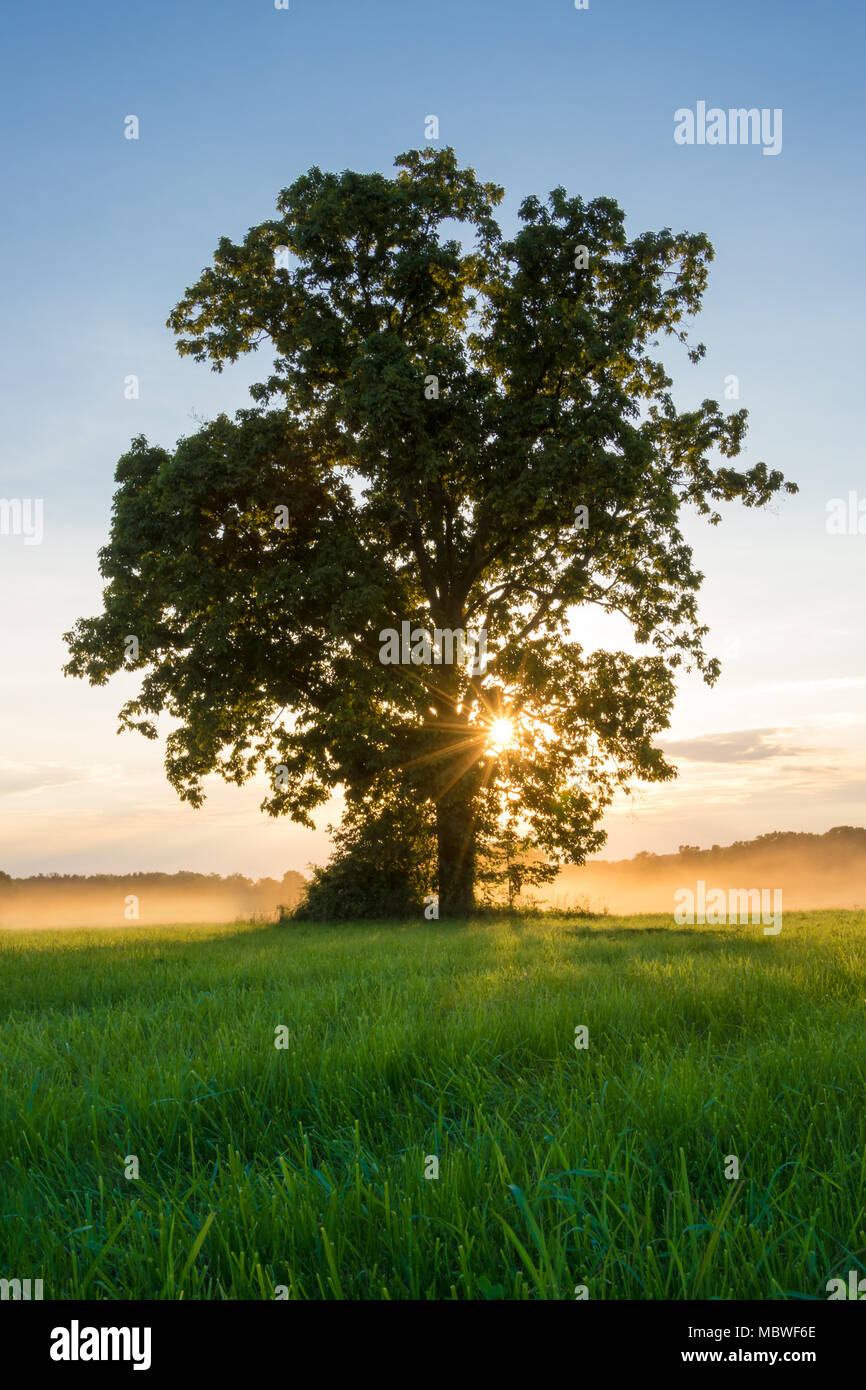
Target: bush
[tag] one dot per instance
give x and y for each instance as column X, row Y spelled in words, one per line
column 382, row 866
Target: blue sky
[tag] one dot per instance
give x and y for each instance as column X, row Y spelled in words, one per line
column 100, row 236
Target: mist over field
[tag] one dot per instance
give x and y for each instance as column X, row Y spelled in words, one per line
column 812, row 871
column 108, row 900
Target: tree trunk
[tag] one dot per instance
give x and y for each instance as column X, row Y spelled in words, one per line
column 455, row 835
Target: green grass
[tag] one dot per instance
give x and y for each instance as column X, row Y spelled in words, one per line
column 305, row 1167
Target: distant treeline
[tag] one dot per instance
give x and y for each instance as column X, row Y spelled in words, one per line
column 836, row 844
column 826, row 870
column 67, row 900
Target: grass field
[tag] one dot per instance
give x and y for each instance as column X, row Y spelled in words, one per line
column 304, row 1167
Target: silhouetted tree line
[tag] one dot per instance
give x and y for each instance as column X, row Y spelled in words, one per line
column 843, row 841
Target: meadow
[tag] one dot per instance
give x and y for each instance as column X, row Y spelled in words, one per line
column 299, row 1171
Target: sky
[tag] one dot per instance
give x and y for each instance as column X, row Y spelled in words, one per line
column 101, row 234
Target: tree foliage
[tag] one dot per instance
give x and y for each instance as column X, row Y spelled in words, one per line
column 442, row 399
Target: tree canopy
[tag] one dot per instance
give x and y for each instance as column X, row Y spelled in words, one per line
column 461, row 430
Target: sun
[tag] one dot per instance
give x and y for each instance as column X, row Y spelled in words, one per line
column 501, row 735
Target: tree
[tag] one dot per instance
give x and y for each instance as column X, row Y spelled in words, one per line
column 468, row 434
column 507, row 863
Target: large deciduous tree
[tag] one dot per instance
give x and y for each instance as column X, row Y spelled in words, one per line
column 460, row 430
